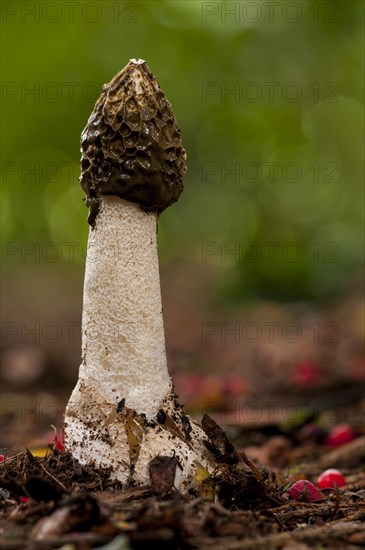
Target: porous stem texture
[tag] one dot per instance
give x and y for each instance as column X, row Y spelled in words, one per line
column 123, row 344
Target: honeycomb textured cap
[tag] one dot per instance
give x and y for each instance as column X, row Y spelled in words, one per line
column 131, row 146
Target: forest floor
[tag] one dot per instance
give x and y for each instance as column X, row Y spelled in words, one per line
column 278, row 396
column 51, row 502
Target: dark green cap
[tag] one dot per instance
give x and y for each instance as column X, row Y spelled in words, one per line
column 131, row 146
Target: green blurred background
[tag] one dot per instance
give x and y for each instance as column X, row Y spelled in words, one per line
column 292, row 131
column 269, row 98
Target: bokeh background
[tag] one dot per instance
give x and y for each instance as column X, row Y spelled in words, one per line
column 261, row 258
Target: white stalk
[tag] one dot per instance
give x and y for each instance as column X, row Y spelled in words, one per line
column 123, row 336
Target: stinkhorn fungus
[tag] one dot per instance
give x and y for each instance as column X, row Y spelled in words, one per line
column 123, row 411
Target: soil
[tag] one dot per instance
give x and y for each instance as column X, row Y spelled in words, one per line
column 53, row 502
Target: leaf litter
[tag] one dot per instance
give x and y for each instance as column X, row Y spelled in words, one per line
column 54, row 502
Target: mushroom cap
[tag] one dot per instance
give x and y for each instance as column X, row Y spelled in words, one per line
column 131, row 146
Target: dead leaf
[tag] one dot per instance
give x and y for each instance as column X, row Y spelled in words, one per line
column 162, row 473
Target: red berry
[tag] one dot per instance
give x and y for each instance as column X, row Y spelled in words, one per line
column 306, row 374
column 358, row 368
column 330, row 478
column 235, row 385
column 59, row 445
column 23, row 500
column 189, row 383
column 1, row 458
column 304, row 491
column 340, row 434
column 56, row 439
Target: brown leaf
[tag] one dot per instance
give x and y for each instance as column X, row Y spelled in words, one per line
column 80, row 511
column 162, row 473
column 219, row 443
column 223, row 448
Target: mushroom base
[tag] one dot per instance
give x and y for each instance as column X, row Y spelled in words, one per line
column 126, row 442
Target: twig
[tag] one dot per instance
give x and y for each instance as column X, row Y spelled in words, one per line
column 275, row 516
column 337, row 502
column 8, row 458
column 252, row 466
column 59, row 483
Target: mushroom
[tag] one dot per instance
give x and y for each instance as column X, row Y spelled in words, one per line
column 123, row 412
